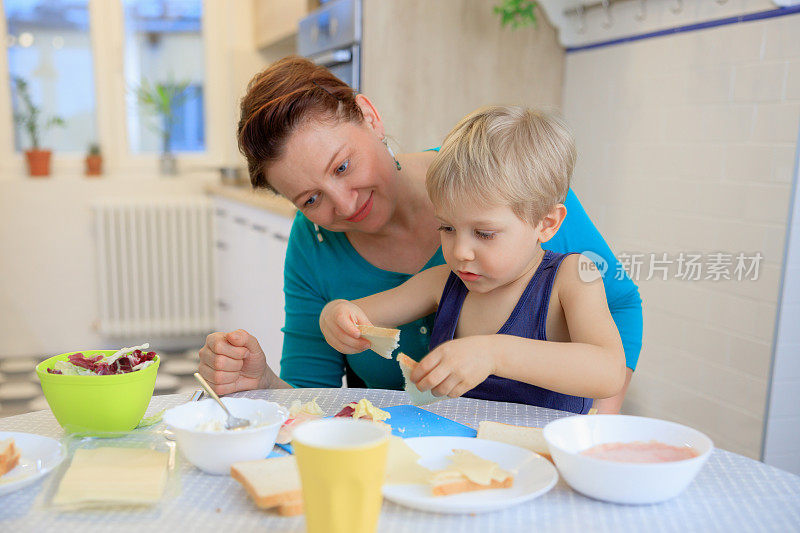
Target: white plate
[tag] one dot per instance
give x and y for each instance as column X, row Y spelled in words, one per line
column 533, row 476
column 38, row 456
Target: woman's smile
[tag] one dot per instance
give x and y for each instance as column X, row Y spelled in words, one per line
column 363, row 211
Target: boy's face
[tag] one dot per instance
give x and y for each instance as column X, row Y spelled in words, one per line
column 489, row 246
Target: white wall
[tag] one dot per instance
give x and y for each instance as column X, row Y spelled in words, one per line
column 48, row 300
column 686, row 143
column 48, row 303
column 782, row 437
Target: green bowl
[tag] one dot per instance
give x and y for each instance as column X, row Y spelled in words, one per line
column 86, row 404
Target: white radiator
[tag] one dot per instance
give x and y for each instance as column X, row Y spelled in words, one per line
column 155, row 269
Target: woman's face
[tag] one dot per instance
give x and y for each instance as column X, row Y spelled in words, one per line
column 339, row 174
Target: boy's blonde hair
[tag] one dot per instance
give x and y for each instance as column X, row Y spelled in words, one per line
column 504, row 155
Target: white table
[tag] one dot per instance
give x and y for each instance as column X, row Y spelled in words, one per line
column 731, row 493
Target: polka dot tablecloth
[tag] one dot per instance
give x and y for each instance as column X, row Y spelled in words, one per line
column 731, row 493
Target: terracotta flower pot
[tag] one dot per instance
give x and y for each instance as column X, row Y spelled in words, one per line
column 38, row 162
column 94, row 165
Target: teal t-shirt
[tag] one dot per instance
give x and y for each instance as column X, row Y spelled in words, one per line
column 317, row 271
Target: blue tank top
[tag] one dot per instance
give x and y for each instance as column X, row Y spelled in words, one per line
column 528, row 320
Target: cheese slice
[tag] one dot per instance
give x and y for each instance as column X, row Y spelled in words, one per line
column 383, row 341
column 309, row 408
column 365, row 409
column 402, row 464
column 474, row 468
column 135, row 476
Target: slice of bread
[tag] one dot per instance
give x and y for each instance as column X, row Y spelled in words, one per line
column 407, row 365
column 9, row 456
column 457, row 486
column 383, row 341
column 272, row 483
column 291, row 509
column 526, row 437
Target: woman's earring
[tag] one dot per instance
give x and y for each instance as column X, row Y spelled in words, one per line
column 391, row 153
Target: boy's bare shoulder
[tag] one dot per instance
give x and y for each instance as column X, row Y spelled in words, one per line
column 435, row 278
column 577, row 272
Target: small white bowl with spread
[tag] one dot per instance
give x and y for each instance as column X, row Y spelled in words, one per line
column 617, row 480
column 199, row 429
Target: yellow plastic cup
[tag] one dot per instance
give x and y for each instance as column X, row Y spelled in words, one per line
column 342, row 465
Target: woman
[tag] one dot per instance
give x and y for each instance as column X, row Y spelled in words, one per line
column 365, row 224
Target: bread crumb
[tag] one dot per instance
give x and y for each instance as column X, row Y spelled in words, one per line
column 219, row 510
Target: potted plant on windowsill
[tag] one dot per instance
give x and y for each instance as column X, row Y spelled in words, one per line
column 29, row 116
column 162, row 99
column 94, row 160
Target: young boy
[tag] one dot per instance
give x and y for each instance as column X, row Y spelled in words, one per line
column 514, row 322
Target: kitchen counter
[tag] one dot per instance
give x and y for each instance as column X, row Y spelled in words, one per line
column 261, row 199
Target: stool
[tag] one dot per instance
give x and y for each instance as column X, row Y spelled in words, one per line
column 166, row 383
column 38, row 404
column 18, row 365
column 16, row 391
column 181, row 366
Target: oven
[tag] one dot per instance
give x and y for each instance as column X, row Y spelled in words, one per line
column 331, row 36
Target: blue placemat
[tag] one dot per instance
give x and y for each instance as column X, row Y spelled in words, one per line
column 411, row 421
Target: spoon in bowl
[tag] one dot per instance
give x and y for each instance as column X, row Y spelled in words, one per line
column 232, row 422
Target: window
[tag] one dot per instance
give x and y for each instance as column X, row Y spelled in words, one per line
column 84, row 59
column 164, row 48
column 49, row 48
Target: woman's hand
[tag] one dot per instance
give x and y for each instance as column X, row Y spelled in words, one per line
column 338, row 324
column 456, row 366
column 233, row 362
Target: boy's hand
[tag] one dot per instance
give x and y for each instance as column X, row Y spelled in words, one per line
column 338, row 324
column 456, row 366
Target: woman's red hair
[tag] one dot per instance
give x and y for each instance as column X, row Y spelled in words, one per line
column 289, row 92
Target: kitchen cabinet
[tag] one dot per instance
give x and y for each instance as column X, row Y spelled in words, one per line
column 426, row 64
column 276, row 20
column 250, row 250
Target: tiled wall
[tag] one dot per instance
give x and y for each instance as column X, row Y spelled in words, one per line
column 782, row 439
column 686, row 144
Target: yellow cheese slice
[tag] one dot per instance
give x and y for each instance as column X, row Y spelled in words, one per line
column 402, row 464
column 103, row 475
column 309, row 408
column 365, row 409
column 475, row 468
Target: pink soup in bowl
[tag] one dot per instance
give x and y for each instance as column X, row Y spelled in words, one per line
column 626, row 459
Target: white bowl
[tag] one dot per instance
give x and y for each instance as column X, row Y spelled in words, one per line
column 631, row 483
column 215, row 451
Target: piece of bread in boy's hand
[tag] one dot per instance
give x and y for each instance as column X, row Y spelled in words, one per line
column 407, row 365
column 9, row 456
column 469, row 472
column 530, row 438
column 272, row 483
column 383, row 341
